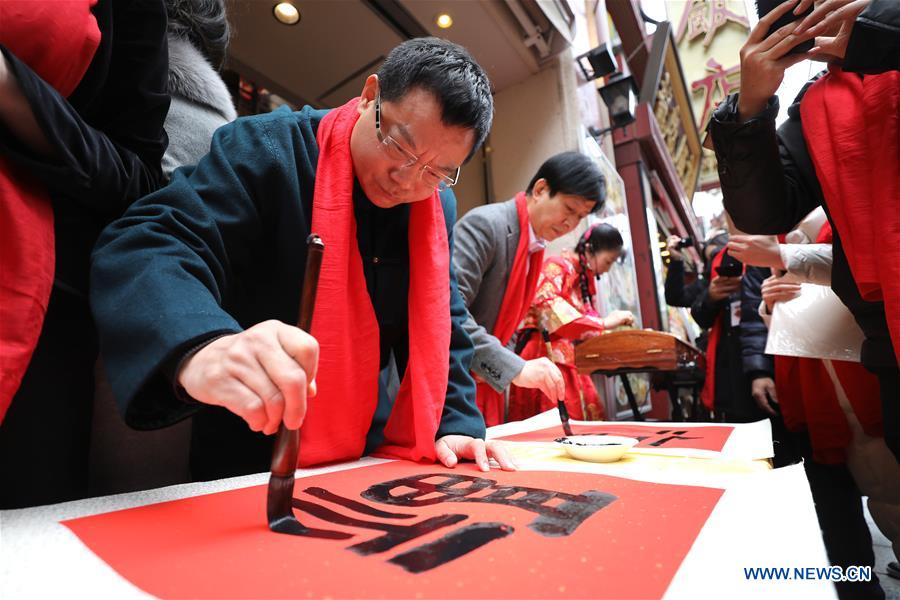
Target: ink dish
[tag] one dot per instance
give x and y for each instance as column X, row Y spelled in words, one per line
column 596, row 448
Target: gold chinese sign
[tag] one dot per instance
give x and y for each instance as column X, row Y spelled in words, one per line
column 709, row 36
column 672, row 109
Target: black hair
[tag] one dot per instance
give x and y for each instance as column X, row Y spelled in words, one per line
column 719, row 240
column 575, row 174
column 203, row 23
column 448, row 71
column 716, row 244
column 599, row 237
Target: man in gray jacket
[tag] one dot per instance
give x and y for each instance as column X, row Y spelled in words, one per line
column 497, row 254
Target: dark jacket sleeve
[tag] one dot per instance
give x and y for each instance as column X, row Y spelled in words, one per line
column 874, row 45
column 110, row 157
column 677, row 293
column 754, row 332
column 693, row 290
column 461, row 415
column 162, row 273
column 706, row 311
column 768, row 181
column 675, row 284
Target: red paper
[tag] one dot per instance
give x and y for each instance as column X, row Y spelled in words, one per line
column 668, row 436
column 219, row 546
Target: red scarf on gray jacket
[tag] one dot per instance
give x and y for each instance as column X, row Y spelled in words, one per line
column 516, row 301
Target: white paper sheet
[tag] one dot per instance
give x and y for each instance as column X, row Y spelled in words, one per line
column 765, row 518
column 748, row 441
column 816, row 324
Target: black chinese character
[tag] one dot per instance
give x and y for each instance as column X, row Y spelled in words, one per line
column 552, row 521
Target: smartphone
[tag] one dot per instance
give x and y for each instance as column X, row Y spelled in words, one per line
column 685, row 242
column 730, row 266
column 764, row 7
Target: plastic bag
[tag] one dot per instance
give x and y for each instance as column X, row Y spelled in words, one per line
column 816, row 324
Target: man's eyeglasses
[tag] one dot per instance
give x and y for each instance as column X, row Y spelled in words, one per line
column 431, row 176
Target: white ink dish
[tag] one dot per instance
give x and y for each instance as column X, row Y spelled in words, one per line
column 596, row 448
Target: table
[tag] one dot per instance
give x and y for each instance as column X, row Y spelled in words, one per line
column 762, row 518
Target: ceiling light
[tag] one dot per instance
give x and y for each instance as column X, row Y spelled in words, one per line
column 286, row 13
column 444, row 21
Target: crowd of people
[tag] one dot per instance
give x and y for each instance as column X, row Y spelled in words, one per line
column 813, row 201
column 145, row 226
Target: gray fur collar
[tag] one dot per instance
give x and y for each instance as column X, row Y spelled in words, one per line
column 191, row 76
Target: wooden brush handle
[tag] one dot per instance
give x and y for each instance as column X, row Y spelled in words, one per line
column 287, row 442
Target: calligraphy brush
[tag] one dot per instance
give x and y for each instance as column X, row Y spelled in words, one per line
column 279, row 509
column 561, row 403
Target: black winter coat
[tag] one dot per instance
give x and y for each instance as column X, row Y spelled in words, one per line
column 733, row 401
column 754, row 333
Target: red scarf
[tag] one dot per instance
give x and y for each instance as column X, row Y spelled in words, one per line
column 339, row 417
column 852, row 129
column 708, row 393
column 517, row 299
column 808, row 399
column 57, row 40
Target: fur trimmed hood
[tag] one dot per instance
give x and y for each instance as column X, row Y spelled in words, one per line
column 192, row 77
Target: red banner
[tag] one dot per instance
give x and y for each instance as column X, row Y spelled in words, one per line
column 402, row 530
column 668, row 436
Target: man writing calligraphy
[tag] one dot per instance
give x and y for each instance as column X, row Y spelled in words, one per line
column 498, row 254
column 195, row 288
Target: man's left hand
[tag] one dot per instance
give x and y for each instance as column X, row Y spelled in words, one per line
column 450, row 448
column 763, row 391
